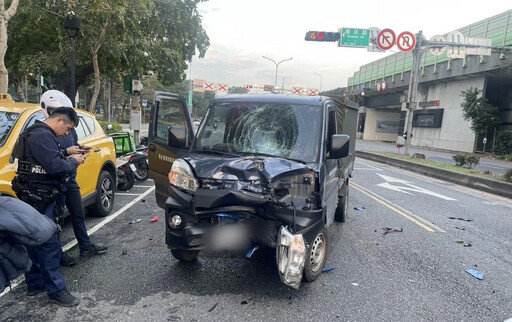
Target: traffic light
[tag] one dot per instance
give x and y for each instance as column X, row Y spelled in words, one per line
column 322, row 36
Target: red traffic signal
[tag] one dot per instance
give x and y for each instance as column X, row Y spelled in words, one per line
column 322, row 36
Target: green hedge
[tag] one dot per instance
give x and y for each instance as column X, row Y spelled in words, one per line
column 116, row 127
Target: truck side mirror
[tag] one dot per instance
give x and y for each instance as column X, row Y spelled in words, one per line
column 340, row 146
column 177, row 137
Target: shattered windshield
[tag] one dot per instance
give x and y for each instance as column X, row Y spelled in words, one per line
column 7, row 121
column 281, row 130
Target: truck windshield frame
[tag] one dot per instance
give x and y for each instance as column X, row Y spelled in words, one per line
column 272, row 129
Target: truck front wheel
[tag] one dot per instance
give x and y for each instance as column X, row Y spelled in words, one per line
column 316, row 256
column 184, row 255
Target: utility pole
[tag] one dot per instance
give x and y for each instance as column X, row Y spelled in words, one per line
column 411, row 104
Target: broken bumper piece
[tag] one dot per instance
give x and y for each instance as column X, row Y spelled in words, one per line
column 291, row 255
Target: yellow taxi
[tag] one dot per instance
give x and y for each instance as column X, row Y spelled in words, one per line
column 96, row 177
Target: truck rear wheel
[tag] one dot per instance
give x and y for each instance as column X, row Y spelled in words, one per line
column 316, row 256
column 184, row 255
column 342, row 209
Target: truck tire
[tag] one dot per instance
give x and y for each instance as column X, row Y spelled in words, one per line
column 184, row 255
column 342, row 209
column 105, row 194
column 316, row 256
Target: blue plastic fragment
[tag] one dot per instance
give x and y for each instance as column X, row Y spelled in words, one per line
column 359, row 208
column 475, row 273
column 251, row 250
column 233, row 217
column 327, row 269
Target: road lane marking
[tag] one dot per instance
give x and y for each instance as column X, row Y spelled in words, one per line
column 423, row 223
column 91, row 231
column 409, row 186
column 368, row 165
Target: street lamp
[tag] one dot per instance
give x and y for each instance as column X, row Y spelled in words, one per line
column 320, row 82
column 72, row 26
column 277, row 66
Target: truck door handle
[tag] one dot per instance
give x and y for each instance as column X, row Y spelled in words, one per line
column 152, row 148
column 97, row 150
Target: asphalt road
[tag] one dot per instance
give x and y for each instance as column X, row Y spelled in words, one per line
column 416, row 272
column 485, row 164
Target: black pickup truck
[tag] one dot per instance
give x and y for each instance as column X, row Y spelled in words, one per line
column 260, row 170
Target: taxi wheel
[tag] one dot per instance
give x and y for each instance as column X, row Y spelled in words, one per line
column 104, row 195
column 316, row 256
column 184, row 255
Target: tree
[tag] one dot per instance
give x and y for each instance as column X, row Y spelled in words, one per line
column 5, row 16
column 477, row 110
column 141, row 35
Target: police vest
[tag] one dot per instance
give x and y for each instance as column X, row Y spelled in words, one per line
column 32, row 171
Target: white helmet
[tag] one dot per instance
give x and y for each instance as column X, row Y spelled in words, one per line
column 54, row 99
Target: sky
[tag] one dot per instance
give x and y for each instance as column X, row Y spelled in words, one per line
column 241, row 32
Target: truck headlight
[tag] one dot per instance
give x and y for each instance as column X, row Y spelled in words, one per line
column 181, row 176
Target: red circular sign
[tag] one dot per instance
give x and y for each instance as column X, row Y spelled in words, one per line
column 386, row 39
column 406, row 41
column 383, row 85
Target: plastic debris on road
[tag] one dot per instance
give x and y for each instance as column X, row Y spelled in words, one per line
column 213, row 307
column 388, row 230
column 327, row 269
column 459, row 218
column 135, row 221
column 475, row 273
column 360, row 208
column 251, row 250
column 154, row 219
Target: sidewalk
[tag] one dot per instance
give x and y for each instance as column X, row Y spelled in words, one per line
column 364, row 150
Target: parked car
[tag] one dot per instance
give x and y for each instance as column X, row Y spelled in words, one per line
column 96, row 177
column 269, row 170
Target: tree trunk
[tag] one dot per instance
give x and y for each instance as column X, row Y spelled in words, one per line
column 97, row 82
column 5, row 16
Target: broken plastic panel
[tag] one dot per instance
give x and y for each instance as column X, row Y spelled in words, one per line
column 291, row 256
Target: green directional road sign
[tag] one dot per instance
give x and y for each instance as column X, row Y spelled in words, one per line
column 354, row 37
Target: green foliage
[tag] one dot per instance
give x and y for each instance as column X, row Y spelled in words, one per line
column 116, row 127
column 508, row 175
column 237, row 90
column 477, row 110
column 465, row 160
column 503, row 143
column 471, row 161
column 459, row 159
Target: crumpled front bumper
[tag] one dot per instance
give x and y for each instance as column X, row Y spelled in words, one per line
column 206, row 215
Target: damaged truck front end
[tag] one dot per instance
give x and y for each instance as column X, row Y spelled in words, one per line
column 257, row 173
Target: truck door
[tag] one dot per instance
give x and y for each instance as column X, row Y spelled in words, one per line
column 169, row 110
column 330, row 195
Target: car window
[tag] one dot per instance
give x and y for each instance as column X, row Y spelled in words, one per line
column 169, row 113
column 281, row 130
column 7, row 122
column 84, row 129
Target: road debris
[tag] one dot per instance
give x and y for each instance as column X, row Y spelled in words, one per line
column 244, row 302
column 327, row 269
column 460, row 228
column 459, row 218
column 475, row 273
column 360, row 208
column 135, row 221
column 388, row 230
column 213, row 307
column 467, row 245
column 251, row 250
column 154, row 219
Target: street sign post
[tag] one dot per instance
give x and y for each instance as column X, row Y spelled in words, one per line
column 350, row 37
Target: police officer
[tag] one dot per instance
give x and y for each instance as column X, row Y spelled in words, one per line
column 72, row 198
column 42, row 171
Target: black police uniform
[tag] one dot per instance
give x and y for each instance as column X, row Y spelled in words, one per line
column 41, row 172
column 72, row 197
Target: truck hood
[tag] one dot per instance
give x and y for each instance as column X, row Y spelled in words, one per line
column 243, row 168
